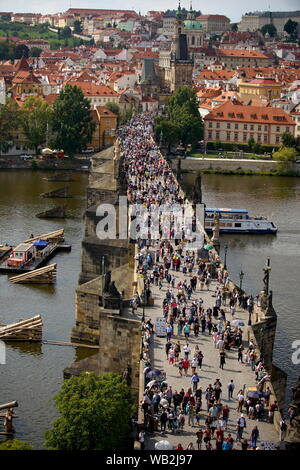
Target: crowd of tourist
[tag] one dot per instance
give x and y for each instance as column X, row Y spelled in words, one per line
column 150, row 181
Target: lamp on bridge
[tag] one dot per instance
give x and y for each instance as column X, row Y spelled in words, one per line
column 144, row 297
column 241, row 279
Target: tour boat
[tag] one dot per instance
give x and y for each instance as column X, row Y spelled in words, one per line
column 237, row 221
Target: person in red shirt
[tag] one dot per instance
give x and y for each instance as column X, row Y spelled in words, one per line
column 220, row 434
column 179, row 447
column 186, row 365
column 206, row 435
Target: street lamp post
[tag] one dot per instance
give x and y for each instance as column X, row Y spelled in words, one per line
column 225, row 257
column 144, row 300
column 241, row 279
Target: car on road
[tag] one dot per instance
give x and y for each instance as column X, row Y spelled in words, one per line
column 88, row 150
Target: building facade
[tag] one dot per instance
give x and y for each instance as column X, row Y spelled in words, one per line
column 237, row 124
column 256, row 20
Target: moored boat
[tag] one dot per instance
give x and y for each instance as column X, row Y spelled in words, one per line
column 238, row 221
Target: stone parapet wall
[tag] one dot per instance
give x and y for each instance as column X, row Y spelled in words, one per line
column 256, row 166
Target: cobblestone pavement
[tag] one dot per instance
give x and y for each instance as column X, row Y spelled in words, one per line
column 240, row 373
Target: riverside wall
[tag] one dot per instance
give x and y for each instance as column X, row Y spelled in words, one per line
column 236, row 165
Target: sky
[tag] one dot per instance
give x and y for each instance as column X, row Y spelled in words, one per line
column 231, row 8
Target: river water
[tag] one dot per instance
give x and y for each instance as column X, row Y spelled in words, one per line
column 34, row 373
column 277, row 198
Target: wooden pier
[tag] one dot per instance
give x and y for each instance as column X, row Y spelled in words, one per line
column 45, row 275
column 23, row 330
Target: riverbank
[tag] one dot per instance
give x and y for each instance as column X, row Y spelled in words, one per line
column 81, row 164
column 237, row 167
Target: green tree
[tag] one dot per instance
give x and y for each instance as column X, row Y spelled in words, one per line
column 21, row 51
column 6, row 17
column 288, row 154
column 251, row 144
column 8, row 120
column 234, row 27
column 288, row 140
column 65, row 32
column 15, row 444
column 95, row 414
column 290, row 27
column 36, row 117
column 168, row 132
column 77, row 27
column 72, row 120
column 270, row 29
column 183, row 111
column 35, row 51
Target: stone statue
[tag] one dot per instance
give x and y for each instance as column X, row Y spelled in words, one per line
column 178, row 169
column 216, row 230
column 127, row 375
column 197, row 193
column 269, row 303
column 107, row 281
column 112, row 290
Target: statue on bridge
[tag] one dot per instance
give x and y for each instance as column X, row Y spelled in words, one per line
column 197, row 192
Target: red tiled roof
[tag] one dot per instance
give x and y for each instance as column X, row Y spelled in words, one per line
column 254, row 114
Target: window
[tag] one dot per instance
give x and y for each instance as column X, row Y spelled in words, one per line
column 245, row 127
column 228, row 135
column 236, row 126
column 277, row 139
column 218, row 125
column 259, row 138
column 245, row 137
column 210, row 124
column 259, row 128
column 228, row 125
column 237, row 224
column 236, row 136
column 287, row 129
column 217, row 135
column 277, row 129
column 252, row 127
column 265, row 138
column 209, row 135
column 266, row 128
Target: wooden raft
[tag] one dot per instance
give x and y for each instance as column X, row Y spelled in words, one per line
column 23, row 330
column 45, row 275
column 57, row 235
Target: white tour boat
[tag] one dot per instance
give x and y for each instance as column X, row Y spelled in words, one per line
column 238, row 221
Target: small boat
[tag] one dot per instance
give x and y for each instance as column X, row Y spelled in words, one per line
column 238, row 221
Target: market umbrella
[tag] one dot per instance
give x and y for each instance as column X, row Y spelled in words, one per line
column 153, row 373
column 238, row 323
column 209, row 246
column 47, row 151
column 151, row 383
column 163, row 445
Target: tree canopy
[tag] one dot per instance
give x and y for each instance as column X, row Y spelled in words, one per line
column 36, row 117
column 270, row 29
column 77, row 26
column 287, row 154
column 15, row 444
column 72, row 120
column 184, row 120
column 8, row 122
column 290, row 27
column 95, row 414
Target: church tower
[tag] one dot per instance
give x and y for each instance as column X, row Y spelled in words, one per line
column 181, row 65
